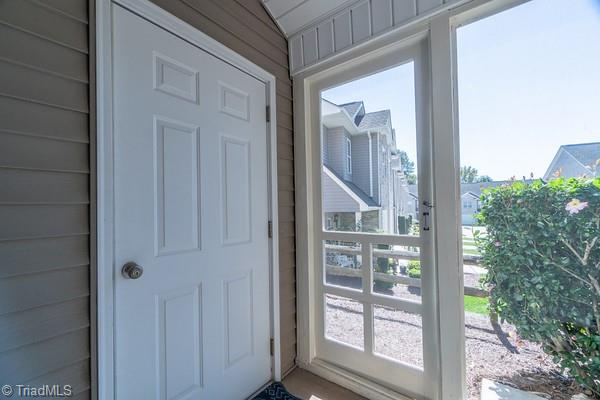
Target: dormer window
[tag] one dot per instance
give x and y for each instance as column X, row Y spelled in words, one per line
column 348, row 156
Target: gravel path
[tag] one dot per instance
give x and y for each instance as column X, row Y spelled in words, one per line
column 491, row 352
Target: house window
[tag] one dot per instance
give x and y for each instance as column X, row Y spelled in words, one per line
column 348, row 156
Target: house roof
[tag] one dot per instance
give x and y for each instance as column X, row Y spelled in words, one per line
column 586, row 153
column 349, row 186
column 352, row 108
column 361, row 120
column 374, row 120
column 471, row 194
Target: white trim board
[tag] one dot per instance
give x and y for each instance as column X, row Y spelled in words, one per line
column 105, row 180
column 351, row 381
column 358, row 22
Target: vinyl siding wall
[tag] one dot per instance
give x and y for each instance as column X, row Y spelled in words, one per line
column 45, row 164
column 245, row 27
column 360, row 162
column 335, row 199
column 324, row 146
column 375, row 160
column 336, row 151
column 47, row 177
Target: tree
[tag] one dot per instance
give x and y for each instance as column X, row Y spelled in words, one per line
column 408, row 168
column 468, row 174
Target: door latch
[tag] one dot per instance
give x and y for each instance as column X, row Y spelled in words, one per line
column 427, row 206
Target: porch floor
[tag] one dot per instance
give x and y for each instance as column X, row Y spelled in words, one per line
column 308, row 386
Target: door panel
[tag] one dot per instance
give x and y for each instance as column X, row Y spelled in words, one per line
column 191, row 208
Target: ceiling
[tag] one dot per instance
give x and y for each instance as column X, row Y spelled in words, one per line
column 293, row 15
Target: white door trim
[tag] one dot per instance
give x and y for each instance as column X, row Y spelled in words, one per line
column 357, row 61
column 105, row 179
column 309, row 210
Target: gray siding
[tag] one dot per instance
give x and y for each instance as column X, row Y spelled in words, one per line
column 360, row 163
column 245, row 27
column 324, row 146
column 45, row 207
column 336, row 151
column 336, row 199
column 375, row 139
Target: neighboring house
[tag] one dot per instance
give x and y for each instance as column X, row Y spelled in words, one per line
column 413, row 204
column 363, row 186
column 470, row 195
column 469, row 204
column 574, row 161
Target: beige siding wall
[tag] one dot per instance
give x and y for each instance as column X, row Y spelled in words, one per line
column 45, row 196
column 245, row 27
column 46, row 167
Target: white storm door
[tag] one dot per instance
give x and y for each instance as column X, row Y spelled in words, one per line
column 191, row 208
column 382, row 325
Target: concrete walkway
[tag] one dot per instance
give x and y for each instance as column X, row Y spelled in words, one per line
column 491, row 390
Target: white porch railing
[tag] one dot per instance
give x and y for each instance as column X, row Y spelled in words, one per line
column 400, row 240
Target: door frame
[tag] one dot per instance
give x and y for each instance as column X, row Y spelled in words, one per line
column 105, row 279
column 367, row 59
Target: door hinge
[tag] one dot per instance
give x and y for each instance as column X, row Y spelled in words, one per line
column 272, row 346
column 270, row 229
column 268, row 109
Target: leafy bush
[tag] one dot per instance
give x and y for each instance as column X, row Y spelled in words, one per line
column 542, row 251
column 414, row 269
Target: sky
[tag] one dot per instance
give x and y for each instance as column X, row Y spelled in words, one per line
column 528, row 81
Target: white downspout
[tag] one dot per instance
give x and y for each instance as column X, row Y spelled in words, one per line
column 370, row 165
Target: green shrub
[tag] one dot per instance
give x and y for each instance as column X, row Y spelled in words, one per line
column 414, row 269
column 542, row 251
column 383, row 265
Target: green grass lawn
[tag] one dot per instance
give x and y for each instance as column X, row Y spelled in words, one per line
column 477, row 305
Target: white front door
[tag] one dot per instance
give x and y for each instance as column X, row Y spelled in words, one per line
column 191, row 208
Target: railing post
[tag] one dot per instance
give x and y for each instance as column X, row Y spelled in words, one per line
column 367, row 285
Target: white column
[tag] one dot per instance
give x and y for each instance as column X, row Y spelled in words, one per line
column 446, row 195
